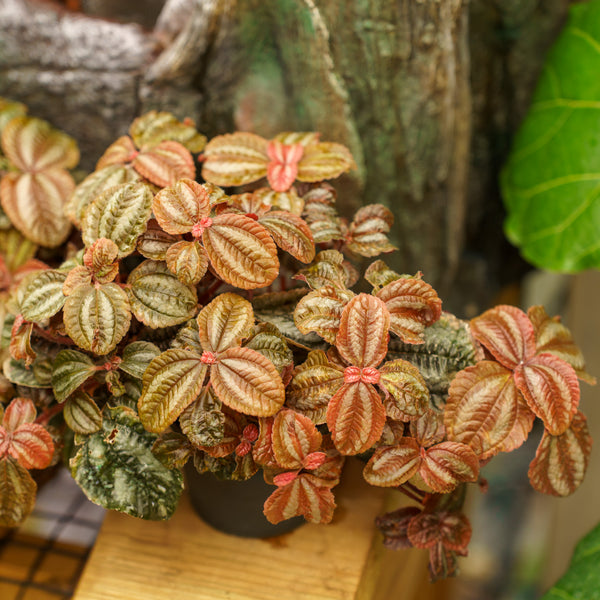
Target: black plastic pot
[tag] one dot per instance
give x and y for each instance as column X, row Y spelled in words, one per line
column 235, row 507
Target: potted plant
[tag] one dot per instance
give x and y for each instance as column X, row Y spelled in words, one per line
column 179, row 323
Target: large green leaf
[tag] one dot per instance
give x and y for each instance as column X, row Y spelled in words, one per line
column 34, row 376
column 582, row 580
column 137, row 356
column 69, row 370
column 43, row 296
column 116, row 469
column 551, row 183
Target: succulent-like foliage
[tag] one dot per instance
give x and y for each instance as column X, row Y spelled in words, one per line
column 186, row 322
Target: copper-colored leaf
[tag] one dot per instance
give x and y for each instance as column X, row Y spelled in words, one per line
column 392, row 466
column 507, row 333
column 34, row 202
column 17, row 493
column 233, row 427
column 553, row 337
column 406, row 388
column 262, row 451
column 291, row 234
column 235, row 159
column 321, row 215
column 482, row 408
column 324, row 160
column 413, row 305
column 378, row 274
column 19, row 412
column 283, row 164
column 288, row 201
column 362, row 338
column 551, row 390
column 246, row 381
column 561, row 460
column 241, row 251
column 306, row 496
column 447, row 464
column 313, row 384
column 321, row 310
column 368, row 231
column 394, row 527
column 327, row 270
column 428, row 429
column 451, row 529
column 155, row 242
column 225, row 322
column 188, row 261
column 179, row 207
column 31, row 446
column 119, row 152
column 165, row 163
column 355, row 417
column 294, row 438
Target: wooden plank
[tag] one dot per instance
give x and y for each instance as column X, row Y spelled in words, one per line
column 186, row 559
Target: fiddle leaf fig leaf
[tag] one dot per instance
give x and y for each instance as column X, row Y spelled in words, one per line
column 119, row 214
column 294, row 438
column 155, row 127
column 97, row 317
column 188, row 261
column 225, row 322
column 172, row 382
column 447, row 464
column 43, row 295
column 406, row 388
column 17, row 493
column 136, row 358
column 241, row 251
column 116, row 469
column 561, row 460
column 550, row 182
column 392, row 466
column 70, row 370
column 82, row 414
column 179, row 207
column 158, row 298
column 165, row 163
column 248, row 382
column 291, row 234
column 368, row 231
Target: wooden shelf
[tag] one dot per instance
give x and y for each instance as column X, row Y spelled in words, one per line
column 186, row 559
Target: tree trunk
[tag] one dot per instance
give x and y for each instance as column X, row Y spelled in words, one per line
column 426, row 93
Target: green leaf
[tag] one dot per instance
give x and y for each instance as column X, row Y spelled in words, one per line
column 116, row 469
column 43, row 296
column 137, row 356
column 171, row 382
column 69, row 370
column 158, row 298
column 551, row 182
column 97, row 317
column 82, row 414
column 582, row 580
column 119, row 214
column 17, row 493
column 16, row 372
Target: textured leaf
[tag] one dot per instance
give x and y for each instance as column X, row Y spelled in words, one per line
column 327, row 270
column 268, row 340
column 188, row 261
column 306, row 496
column 291, row 234
column 262, row 451
column 17, row 372
column 82, row 414
column 324, row 160
column 304, row 138
column 20, row 347
column 225, row 322
column 95, row 184
column 172, row 381
column 451, row 529
column 406, row 387
column 31, row 446
column 203, row 421
column 101, row 259
column 378, row 274
column 288, row 201
column 70, row 370
column 155, row 127
column 313, row 384
column 392, row 466
column 447, row 464
column 355, row 417
column 172, row 449
column 188, row 337
column 553, row 337
column 158, row 298
column 136, row 358
column 233, row 431
column 179, row 207
column 561, row 460
column 483, row 408
column 34, row 145
column 294, row 438
column 165, row 163
column 321, row 310
column 550, row 181
column 235, row 159
column 76, row 277
column 394, row 527
column 97, row 317
column 241, row 251
column 283, row 164
column 551, row 390
column 321, row 216
column 121, row 151
column 155, row 242
column 246, row 381
column 362, row 338
column 17, row 493
column 19, row 412
column 507, row 333
column 413, row 305
column 43, row 296
column 115, row 468
column 428, row 429
column 368, row 231
column 118, row 214
column 34, row 202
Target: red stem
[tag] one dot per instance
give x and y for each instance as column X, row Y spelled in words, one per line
column 45, row 417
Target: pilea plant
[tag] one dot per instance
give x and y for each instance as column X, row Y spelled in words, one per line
column 178, row 324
